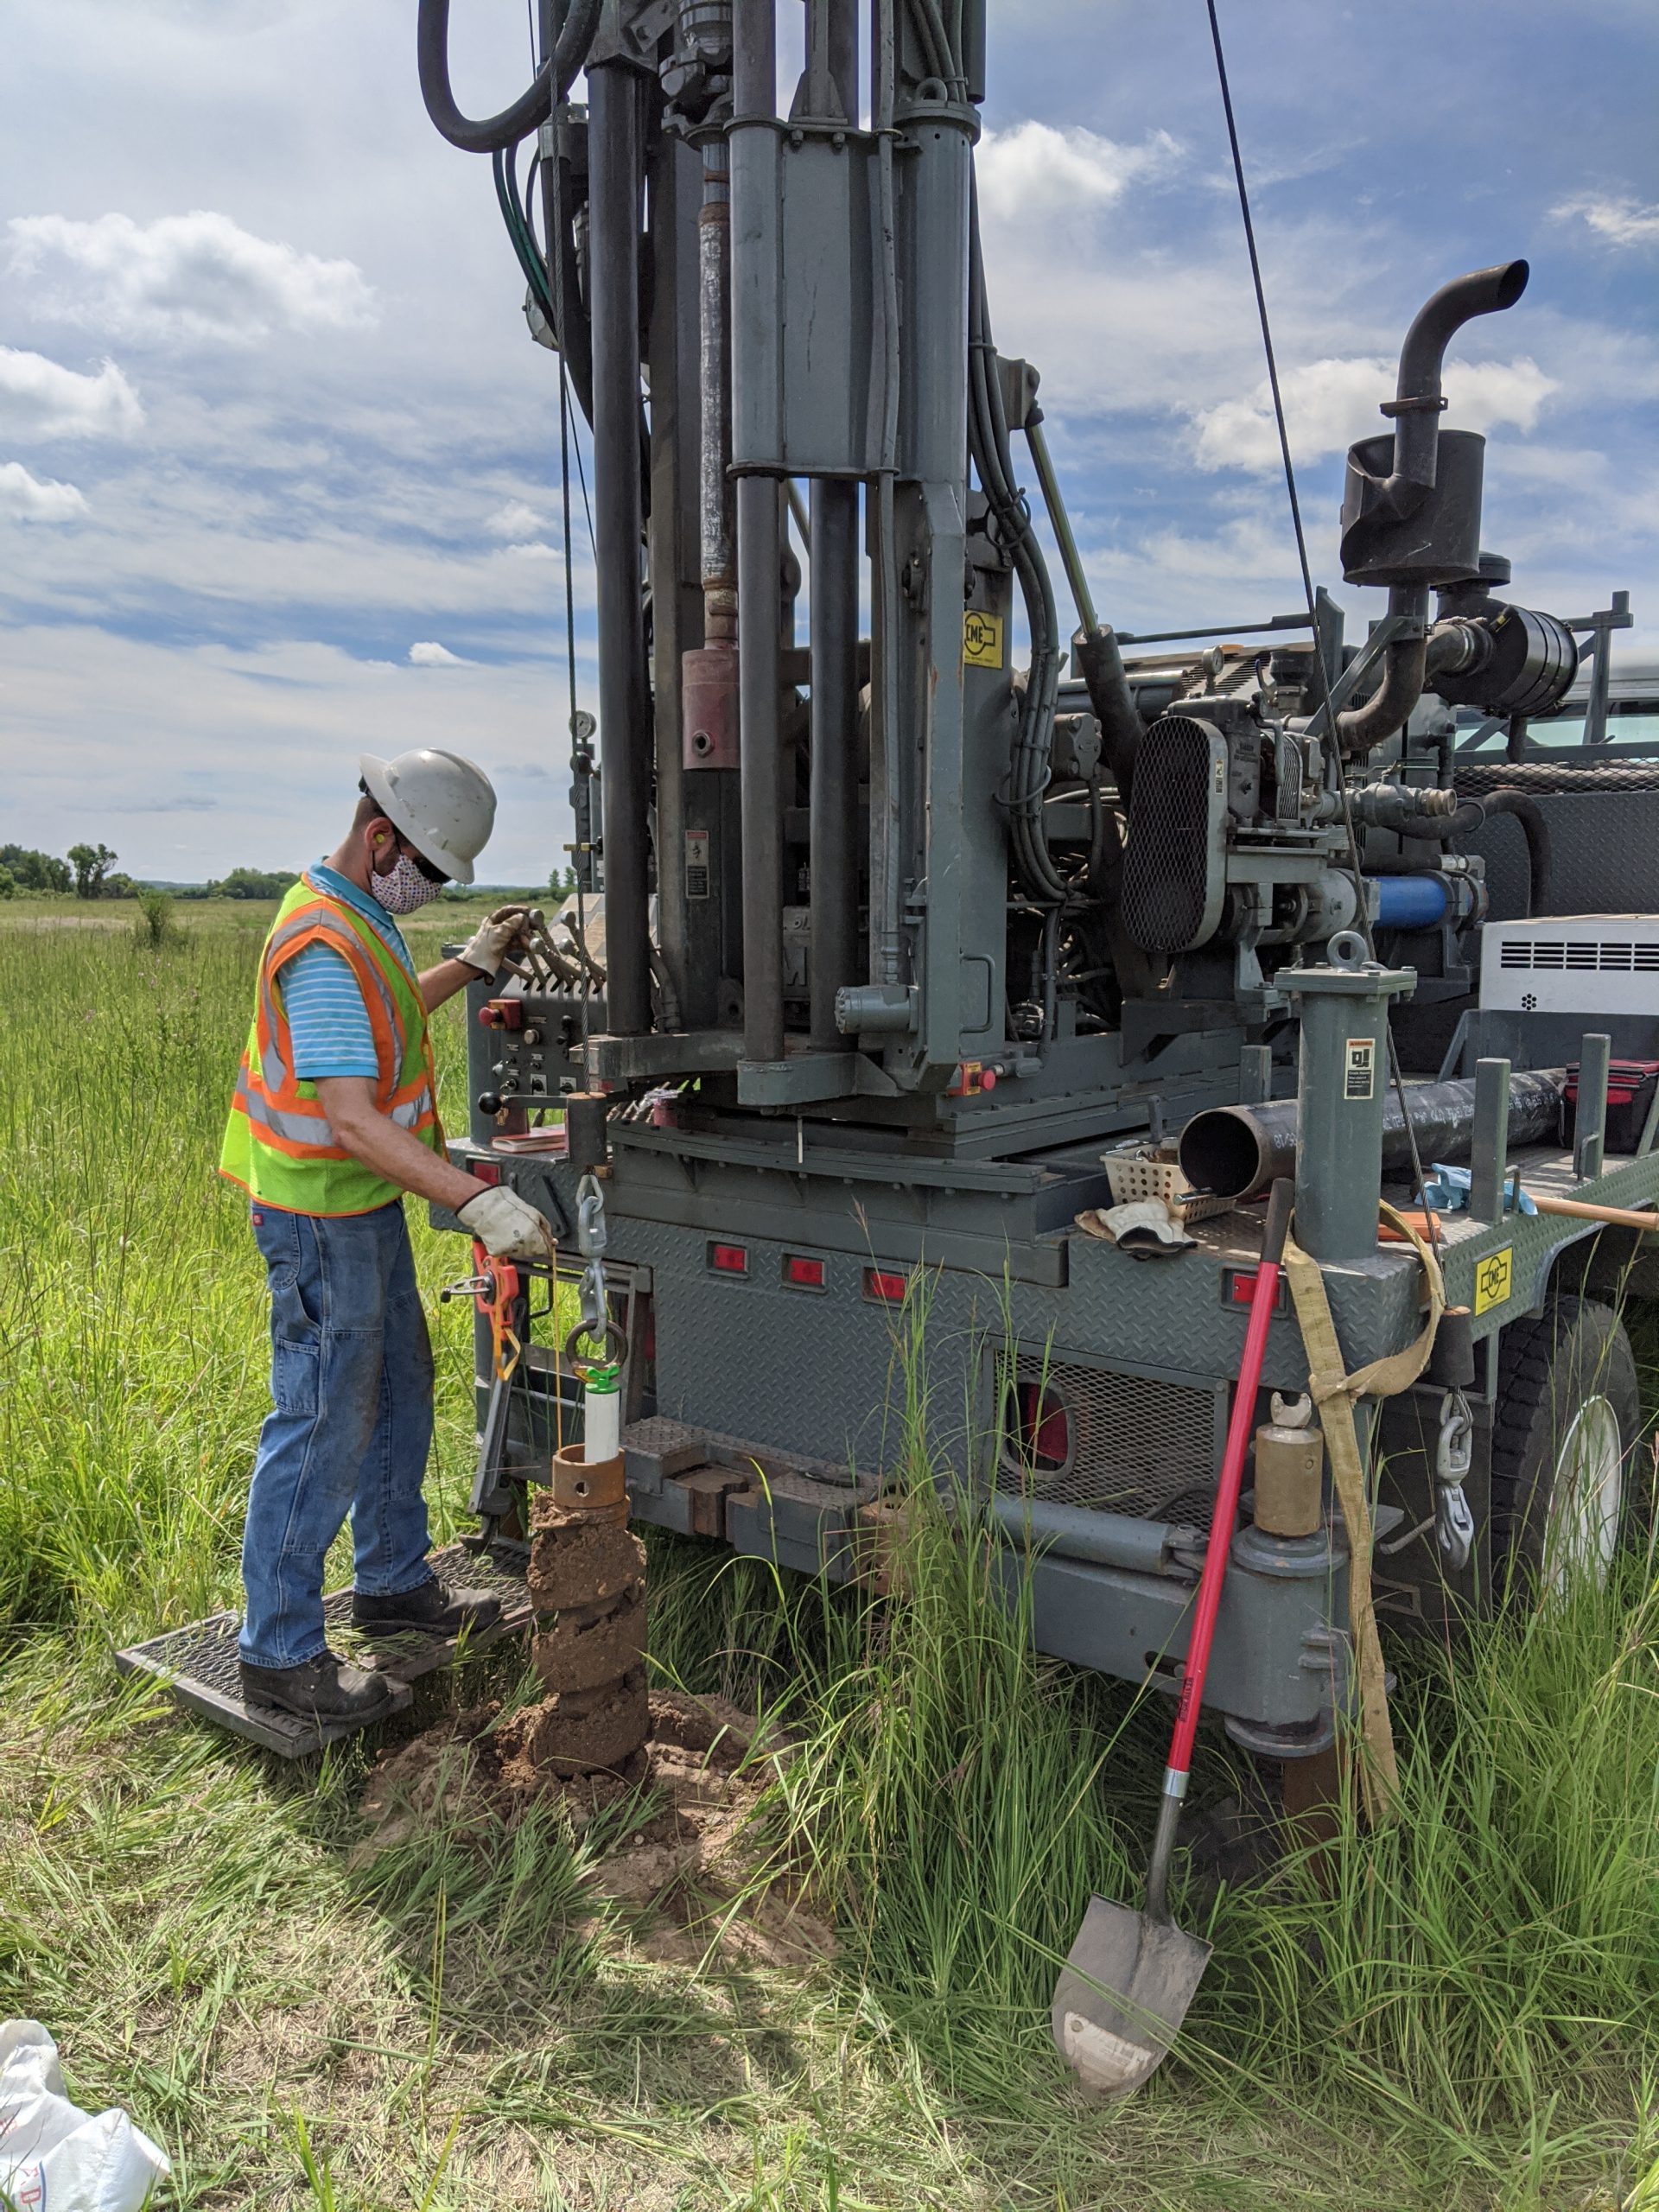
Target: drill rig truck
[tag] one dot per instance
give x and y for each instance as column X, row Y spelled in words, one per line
column 933, row 949
column 898, row 962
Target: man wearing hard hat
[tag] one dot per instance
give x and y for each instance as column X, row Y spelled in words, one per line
column 334, row 1119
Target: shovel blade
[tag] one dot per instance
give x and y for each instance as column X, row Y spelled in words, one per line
column 1122, row 1996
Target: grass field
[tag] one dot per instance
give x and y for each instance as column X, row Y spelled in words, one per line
column 1459, row 2013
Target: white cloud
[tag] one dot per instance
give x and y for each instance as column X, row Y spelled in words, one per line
column 40, row 398
column 1329, row 404
column 430, row 654
column 198, row 276
column 515, row 520
column 1621, row 222
column 536, row 549
column 1036, row 169
column 255, row 748
column 24, row 498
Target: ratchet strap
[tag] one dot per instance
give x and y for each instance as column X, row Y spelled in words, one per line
column 1336, row 1393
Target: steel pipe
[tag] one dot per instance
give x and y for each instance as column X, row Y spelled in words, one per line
column 1103, row 1539
column 1237, row 1151
column 615, row 94
column 832, row 943
column 759, row 569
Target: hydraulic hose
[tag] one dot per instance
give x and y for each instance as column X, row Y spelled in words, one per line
column 492, row 134
column 1028, row 772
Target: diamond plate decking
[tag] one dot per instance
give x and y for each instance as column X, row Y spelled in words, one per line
column 198, row 1663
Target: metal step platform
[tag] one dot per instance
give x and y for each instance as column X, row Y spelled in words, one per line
column 198, row 1663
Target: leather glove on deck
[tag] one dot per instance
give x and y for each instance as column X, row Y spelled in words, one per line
column 489, row 944
column 506, row 1227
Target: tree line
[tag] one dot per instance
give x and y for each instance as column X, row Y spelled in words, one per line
column 89, row 871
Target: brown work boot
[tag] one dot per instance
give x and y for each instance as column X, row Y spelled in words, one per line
column 431, row 1606
column 323, row 1688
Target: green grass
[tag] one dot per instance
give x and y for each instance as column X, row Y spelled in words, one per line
column 1456, row 2012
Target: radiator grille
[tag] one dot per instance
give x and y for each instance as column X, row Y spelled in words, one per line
column 1132, row 1445
column 1165, row 893
column 1619, row 956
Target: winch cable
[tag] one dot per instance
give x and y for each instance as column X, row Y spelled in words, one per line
column 1321, row 673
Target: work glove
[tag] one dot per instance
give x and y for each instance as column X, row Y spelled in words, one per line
column 492, row 940
column 506, row 1227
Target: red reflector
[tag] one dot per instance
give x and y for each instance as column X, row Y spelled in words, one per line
column 805, row 1275
column 486, row 1169
column 882, row 1282
column 729, row 1259
column 1243, row 1289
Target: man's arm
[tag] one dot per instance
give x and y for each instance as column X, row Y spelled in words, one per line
column 437, row 984
column 481, row 955
column 382, row 1146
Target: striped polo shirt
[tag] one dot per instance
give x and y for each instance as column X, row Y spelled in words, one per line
column 326, row 1018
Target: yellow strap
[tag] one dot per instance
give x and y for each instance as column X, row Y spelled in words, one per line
column 1335, row 1392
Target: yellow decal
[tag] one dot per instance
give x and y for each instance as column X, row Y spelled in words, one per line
column 1495, row 1279
column 981, row 639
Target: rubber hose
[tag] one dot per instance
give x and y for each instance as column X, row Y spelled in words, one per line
column 1478, row 778
column 1120, row 727
column 1528, row 812
column 492, row 134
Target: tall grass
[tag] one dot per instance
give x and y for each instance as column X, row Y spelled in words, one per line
column 1477, row 1977
column 133, row 1361
column 1455, row 2011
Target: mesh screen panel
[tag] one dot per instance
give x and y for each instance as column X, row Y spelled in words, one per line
column 1134, row 1446
column 1166, row 852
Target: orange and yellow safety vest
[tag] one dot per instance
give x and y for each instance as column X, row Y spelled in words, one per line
column 278, row 1145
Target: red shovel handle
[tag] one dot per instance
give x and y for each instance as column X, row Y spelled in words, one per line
column 1262, row 1300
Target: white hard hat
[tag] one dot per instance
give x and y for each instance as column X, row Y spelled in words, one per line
column 444, row 805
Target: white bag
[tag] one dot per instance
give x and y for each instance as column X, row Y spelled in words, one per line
column 55, row 2157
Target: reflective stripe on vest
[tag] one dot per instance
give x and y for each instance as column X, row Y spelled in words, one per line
column 278, row 1142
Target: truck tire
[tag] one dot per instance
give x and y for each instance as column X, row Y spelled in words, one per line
column 1568, row 1484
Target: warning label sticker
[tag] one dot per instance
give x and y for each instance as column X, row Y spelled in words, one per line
column 1359, row 1068
column 1495, row 1279
column 981, row 639
column 697, row 864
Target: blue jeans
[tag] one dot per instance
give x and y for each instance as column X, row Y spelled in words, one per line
column 350, row 1428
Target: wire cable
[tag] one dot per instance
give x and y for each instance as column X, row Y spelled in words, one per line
column 1322, row 674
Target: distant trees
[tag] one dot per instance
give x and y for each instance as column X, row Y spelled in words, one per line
column 562, row 882
column 252, row 883
column 33, row 871
column 92, row 863
column 89, row 872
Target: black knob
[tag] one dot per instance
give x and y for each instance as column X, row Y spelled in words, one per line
column 489, row 1101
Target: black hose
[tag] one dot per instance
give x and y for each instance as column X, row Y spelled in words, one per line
column 1479, row 776
column 1528, row 812
column 533, row 107
column 1030, row 764
column 1120, row 727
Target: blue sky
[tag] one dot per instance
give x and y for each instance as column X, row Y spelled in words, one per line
column 270, row 423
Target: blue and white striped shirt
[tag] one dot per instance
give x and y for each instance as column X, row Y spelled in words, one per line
column 327, row 1017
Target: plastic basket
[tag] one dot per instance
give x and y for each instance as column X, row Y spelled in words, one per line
column 1132, row 1176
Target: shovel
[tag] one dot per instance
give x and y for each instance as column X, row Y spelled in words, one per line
column 1129, row 1977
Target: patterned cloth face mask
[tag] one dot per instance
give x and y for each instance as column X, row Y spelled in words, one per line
column 405, row 889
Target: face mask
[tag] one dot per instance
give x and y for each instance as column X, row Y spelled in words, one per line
column 405, row 889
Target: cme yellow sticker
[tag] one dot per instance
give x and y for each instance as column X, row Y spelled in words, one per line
column 1495, row 1279
column 981, row 639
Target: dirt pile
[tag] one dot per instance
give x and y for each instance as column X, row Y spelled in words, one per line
column 671, row 1823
